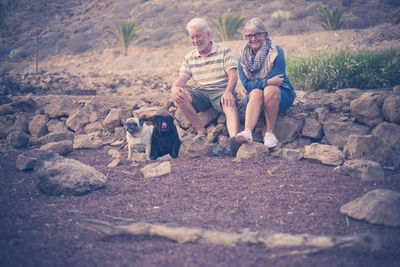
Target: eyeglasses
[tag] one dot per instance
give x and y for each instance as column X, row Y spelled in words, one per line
column 256, row 35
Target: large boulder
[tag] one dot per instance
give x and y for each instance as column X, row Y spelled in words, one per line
column 59, row 108
column 378, row 206
column 325, row 154
column 194, row 147
column 389, row 133
column 337, row 132
column 29, row 159
column 366, row 111
column 77, row 120
column 368, row 147
column 18, row 139
column 312, row 129
column 112, row 120
column 366, row 170
column 63, row 176
column 287, row 129
column 37, row 125
column 391, row 109
column 62, row 148
column 254, row 152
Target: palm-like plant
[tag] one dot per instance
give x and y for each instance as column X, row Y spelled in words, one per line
column 228, row 25
column 330, row 18
column 125, row 32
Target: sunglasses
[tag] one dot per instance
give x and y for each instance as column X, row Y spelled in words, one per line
column 256, row 35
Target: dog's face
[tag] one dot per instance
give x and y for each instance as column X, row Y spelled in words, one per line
column 163, row 124
column 134, row 126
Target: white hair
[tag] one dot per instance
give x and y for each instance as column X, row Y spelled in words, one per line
column 255, row 24
column 198, row 23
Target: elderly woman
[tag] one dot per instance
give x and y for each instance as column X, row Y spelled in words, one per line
column 262, row 72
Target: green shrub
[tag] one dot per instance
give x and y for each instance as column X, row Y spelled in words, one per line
column 228, row 25
column 345, row 68
column 329, row 19
column 125, row 32
column 16, row 54
column 280, row 15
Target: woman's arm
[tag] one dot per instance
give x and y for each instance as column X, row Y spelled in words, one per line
column 248, row 84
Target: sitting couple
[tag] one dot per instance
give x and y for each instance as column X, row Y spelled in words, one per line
column 213, row 69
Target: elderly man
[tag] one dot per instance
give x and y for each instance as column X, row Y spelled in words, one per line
column 213, row 70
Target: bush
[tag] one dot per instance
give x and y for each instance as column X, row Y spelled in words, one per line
column 345, row 68
column 329, row 19
column 16, row 54
column 280, row 15
column 228, row 25
column 125, row 32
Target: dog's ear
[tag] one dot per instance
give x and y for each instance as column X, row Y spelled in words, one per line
column 141, row 122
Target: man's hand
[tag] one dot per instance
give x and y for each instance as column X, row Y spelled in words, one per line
column 276, row 80
column 227, row 99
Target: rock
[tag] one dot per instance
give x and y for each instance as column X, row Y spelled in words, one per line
column 194, row 147
column 29, row 159
column 37, row 125
column 326, row 154
column 112, row 120
column 291, row 154
column 56, row 137
column 59, row 108
column 55, row 125
column 77, row 120
column 254, row 152
column 156, row 169
column 21, row 123
column 287, row 129
column 63, row 176
column 312, row 129
column 219, row 150
column 208, row 116
column 28, row 105
column 61, row 147
column 366, row 147
column 337, row 132
column 389, row 133
column 147, row 113
column 366, row 170
column 349, row 94
column 94, row 127
column 18, row 139
column 391, row 109
column 84, row 141
column 215, row 132
column 378, row 206
column 366, row 111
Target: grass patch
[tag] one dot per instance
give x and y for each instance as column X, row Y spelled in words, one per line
column 345, row 68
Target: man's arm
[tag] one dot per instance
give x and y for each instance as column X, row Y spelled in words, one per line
column 178, row 88
column 227, row 98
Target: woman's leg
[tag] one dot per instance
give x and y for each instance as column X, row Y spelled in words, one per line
column 271, row 106
column 253, row 108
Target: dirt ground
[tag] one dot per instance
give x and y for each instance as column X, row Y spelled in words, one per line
column 213, row 193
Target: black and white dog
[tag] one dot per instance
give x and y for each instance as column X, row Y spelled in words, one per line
column 165, row 138
column 138, row 135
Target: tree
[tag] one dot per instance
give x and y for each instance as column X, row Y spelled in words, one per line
column 228, row 25
column 124, row 32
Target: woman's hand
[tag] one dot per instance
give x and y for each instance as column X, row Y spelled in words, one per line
column 276, row 80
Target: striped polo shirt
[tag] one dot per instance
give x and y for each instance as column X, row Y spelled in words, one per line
column 209, row 72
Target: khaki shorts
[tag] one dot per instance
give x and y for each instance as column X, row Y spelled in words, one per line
column 203, row 99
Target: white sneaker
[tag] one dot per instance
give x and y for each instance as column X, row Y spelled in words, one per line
column 270, row 139
column 244, row 136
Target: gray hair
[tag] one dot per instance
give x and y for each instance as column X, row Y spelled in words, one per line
column 255, row 24
column 198, row 23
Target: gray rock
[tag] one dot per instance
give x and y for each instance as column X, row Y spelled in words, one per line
column 254, row 152
column 37, row 125
column 366, row 170
column 337, row 132
column 77, row 120
column 194, row 147
column 63, row 176
column 21, row 123
column 56, row 137
column 326, row 154
column 378, row 206
column 312, row 129
column 366, row 111
column 59, row 108
column 287, row 129
column 291, row 154
column 30, row 159
column 61, row 147
column 391, row 109
column 112, row 120
column 368, row 147
column 156, row 169
column 87, row 141
column 55, row 125
column 18, row 139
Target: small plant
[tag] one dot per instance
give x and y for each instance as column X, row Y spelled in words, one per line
column 70, row 33
column 394, row 16
column 329, row 18
column 16, row 54
column 125, row 32
column 228, row 25
column 280, row 15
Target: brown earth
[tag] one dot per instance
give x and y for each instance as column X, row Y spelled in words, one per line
column 213, row 193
